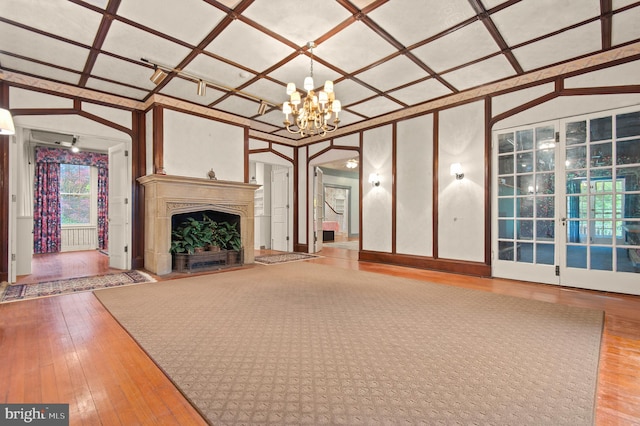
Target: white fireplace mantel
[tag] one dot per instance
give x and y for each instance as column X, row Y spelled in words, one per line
column 166, row 195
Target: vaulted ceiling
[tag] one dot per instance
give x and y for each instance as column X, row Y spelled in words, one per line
column 383, row 55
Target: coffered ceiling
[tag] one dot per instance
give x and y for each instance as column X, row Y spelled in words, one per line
column 383, row 55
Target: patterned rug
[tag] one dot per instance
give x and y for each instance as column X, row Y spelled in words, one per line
column 14, row 293
column 306, row 344
column 272, row 259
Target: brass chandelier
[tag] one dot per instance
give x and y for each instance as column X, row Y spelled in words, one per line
column 313, row 115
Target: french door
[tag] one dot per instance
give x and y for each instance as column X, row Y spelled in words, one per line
column 566, row 202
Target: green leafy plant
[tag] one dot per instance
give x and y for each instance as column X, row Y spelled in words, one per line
column 229, row 237
column 191, row 235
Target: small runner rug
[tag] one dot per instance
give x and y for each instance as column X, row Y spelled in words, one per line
column 73, row 285
column 272, row 259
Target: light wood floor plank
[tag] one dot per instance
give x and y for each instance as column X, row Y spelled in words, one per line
column 69, row 349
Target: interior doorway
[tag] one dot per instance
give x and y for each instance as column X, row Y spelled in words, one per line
column 86, row 208
column 273, row 215
column 338, row 204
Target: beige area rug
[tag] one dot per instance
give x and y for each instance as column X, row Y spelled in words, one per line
column 302, row 343
column 272, row 259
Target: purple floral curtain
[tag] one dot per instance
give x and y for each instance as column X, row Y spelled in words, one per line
column 47, row 210
column 103, row 208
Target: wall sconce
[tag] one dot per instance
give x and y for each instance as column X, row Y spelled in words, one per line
column 374, row 179
column 456, row 170
column 6, row 123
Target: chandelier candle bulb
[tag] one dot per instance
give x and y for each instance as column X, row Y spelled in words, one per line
column 308, row 84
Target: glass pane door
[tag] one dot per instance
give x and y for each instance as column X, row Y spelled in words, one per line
column 526, row 204
column 601, row 213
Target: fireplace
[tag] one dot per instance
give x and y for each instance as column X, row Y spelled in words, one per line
column 168, row 196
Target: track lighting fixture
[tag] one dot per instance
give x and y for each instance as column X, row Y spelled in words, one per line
column 158, row 75
column 162, row 71
column 202, row 88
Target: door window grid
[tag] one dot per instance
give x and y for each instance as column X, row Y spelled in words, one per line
column 526, row 195
column 600, row 213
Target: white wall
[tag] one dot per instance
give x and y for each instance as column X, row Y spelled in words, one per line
column 193, row 146
column 377, row 157
column 414, row 193
column 568, row 106
column 461, row 209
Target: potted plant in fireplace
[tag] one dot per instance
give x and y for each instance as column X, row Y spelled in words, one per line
column 192, row 236
column 229, row 239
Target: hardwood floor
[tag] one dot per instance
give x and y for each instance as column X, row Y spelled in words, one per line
column 73, row 264
column 68, row 349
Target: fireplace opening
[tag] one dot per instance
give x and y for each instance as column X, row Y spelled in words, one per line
column 216, row 216
column 216, row 256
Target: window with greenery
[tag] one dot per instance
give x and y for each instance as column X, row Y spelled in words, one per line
column 75, row 194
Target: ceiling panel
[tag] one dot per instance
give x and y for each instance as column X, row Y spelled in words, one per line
column 375, row 107
column 426, row 19
column 361, row 46
column 216, row 71
column 625, row 26
column 348, row 92
column 127, row 72
column 268, row 91
column 114, row 88
column 421, row 92
column 480, row 73
column 82, row 28
column 566, row 45
column 244, row 44
column 42, row 48
column 133, row 43
column 617, row 4
column 291, row 19
column 195, row 17
column 238, row 105
column 403, row 70
column 297, row 69
column 459, row 47
column 27, row 67
column 529, row 19
column 354, row 48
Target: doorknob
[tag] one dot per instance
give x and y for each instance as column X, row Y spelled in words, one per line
column 564, row 221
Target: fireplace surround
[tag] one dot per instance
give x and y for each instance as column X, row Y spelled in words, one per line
column 166, row 196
